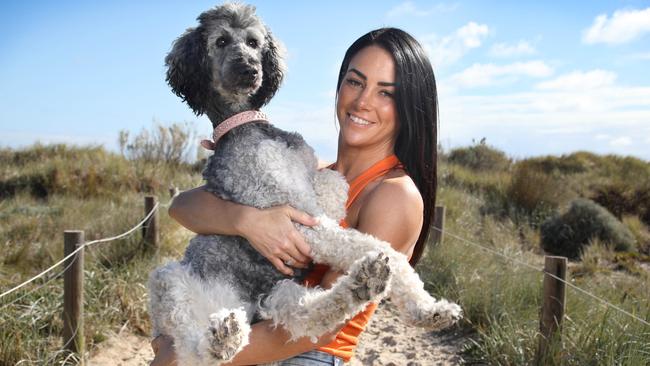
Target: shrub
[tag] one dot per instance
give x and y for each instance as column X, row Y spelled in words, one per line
column 162, row 144
column 480, row 156
column 575, row 163
column 585, row 220
column 535, row 192
column 622, row 199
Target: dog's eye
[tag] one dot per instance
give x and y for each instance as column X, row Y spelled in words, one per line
column 251, row 42
column 221, row 42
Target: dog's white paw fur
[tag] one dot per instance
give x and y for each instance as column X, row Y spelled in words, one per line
column 227, row 334
column 371, row 276
column 438, row 315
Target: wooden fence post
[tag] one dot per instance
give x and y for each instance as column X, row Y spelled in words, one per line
column 73, row 294
column 150, row 227
column 438, row 230
column 553, row 303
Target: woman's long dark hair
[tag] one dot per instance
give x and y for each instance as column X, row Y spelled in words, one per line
column 416, row 100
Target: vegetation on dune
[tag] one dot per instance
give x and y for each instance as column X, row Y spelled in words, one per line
column 491, row 201
column 480, row 156
column 567, row 234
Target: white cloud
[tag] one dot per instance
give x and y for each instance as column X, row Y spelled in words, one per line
column 479, row 75
column 408, row 8
column 579, row 80
column 624, row 26
column 511, row 50
column 621, row 142
column 471, row 33
column 551, row 121
column 448, row 49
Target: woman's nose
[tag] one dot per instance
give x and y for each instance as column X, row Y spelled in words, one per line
column 363, row 100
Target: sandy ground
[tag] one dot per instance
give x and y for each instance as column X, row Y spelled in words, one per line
column 386, row 341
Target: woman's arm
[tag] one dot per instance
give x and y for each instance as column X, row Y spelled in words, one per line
column 270, row 231
column 266, row 344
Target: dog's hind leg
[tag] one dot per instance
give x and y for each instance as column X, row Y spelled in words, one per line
column 207, row 320
column 313, row 311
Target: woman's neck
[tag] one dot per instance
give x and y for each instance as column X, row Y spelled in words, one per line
column 352, row 161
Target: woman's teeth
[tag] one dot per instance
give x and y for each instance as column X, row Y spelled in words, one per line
column 359, row 121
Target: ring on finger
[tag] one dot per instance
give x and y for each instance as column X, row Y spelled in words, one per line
column 289, row 262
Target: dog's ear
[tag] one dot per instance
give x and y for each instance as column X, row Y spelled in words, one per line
column 273, row 69
column 188, row 70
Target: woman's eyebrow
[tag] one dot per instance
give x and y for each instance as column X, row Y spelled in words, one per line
column 364, row 77
column 359, row 73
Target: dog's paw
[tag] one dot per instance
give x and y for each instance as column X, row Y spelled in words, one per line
column 437, row 316
column 226, row 334
column 371, row 277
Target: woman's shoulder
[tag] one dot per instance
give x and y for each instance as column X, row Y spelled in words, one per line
column 397, row 186
column 393, row 211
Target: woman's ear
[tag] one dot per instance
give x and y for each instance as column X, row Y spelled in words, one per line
column 188, row 72
column 273, row 68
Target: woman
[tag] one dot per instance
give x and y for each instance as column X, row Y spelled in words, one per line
column 386, row 105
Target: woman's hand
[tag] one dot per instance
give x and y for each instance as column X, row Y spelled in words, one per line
column 272, row 233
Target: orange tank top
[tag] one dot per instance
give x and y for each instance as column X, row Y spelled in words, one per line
column 346, row 340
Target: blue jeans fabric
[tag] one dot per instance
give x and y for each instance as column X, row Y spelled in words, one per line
column 312, row 358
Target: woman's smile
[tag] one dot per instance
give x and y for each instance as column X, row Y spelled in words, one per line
column 358, row 120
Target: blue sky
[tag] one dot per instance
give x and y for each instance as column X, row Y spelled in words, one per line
column 532, row 78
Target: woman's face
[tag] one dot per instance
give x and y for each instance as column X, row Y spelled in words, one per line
column 366, row 106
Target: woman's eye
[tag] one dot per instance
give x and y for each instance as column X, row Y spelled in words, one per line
column 221, row 42
column 252, row 43
column 353, row 82
column 385, row 93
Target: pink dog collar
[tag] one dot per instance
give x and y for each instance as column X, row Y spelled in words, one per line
column 232, row 122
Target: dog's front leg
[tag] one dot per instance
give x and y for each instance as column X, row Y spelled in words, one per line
column 311, row 312
column 339, row 247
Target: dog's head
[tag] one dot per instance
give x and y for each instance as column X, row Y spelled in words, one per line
column 230, row 57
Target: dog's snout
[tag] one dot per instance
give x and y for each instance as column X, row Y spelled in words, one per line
column 248, row 71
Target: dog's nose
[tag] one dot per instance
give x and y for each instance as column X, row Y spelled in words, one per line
column 247, row 71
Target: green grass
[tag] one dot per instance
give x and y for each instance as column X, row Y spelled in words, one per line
column 502, row 299
column 34, row 215
column 45, row 190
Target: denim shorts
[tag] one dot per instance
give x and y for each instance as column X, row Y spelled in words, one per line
column 312, row 358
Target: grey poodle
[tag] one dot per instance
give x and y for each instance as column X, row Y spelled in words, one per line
column 231, row 63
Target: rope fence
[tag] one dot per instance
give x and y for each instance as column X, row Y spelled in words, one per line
column 73, row 275
column 552, row 311
column 155, row 208
column 522, row 263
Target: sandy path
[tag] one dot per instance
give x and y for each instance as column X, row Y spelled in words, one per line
column 386, row 341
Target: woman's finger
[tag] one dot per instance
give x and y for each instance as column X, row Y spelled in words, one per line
column 301, row 217
column 279, row 264
column 301, row 246
column 295, row 257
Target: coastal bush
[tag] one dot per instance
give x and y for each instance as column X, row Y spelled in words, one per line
column 479, row 156
column 535, row 192
column 624, row 199
column 568, row 233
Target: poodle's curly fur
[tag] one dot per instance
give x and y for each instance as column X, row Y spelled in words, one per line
column 227, row 64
